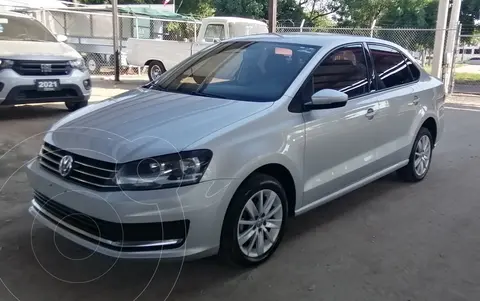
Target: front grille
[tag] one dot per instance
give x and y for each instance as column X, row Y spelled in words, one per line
column 118, row 233
column 34, row 68
column 89, row 172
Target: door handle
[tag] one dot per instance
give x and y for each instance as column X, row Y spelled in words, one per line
column 416, row 100
column 370, row 113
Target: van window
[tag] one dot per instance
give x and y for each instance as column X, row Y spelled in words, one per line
column 24, row 29
column 240, row 29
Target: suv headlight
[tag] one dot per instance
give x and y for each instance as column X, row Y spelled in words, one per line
column 78, row 64
column 174, row 170
column 6, row 64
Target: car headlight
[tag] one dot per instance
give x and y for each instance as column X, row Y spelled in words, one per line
column 174, row 170
column 6, row 64
column 78, row 64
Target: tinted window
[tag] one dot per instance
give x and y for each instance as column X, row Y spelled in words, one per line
column 241, row 70
column 413, row 70
column 468, row 51
column 214, row 31
column 391, row 66
column 460, row 51
column 23, row 29
column 476, row 51
column 344, row 70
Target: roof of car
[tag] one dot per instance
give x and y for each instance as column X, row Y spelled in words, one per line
column 13, row 14
column 315, row 39
column 233, row 19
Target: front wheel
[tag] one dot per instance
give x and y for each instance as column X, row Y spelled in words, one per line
column 255, row 221
column 73, row 106
column 420, row 158
column 93, row 63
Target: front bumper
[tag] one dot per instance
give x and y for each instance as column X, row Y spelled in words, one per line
column 20, row 89
column 199, row 208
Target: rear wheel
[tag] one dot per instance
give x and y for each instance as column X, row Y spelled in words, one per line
column 73, row 106
column 420, row 158
column 255, row 221
column 155, row 69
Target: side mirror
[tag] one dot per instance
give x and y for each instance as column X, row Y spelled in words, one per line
column 216, row 40
column 61, row 38
column 328, row 97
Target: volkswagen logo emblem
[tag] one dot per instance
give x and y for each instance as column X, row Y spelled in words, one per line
column 65, row 166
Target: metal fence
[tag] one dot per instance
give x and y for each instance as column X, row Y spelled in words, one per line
column 418, row 41
column 90, row 33
column 466, row 71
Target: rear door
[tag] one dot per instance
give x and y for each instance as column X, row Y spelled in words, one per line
column 397, row 100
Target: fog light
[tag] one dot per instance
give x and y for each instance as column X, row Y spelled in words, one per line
column 87, row 84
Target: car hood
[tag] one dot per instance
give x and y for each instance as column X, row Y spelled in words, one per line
column 144, row 123
column 27, row 50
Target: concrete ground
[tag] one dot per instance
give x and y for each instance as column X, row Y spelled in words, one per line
column 386, row 241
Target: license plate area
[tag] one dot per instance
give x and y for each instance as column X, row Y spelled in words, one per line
column 47, row 85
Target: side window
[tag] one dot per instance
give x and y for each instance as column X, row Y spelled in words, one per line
column 344, row 70
column 413, row 70
column 391, row 66
column 214, row 31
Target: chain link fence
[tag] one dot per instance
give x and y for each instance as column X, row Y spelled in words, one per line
column 90, row 33
column 466, row 69
column 419, row 42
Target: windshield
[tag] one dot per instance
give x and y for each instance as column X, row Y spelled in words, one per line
column 239, row 70
column 240, row 29
column 23, row 29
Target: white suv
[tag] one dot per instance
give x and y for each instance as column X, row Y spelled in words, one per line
column 37, row 67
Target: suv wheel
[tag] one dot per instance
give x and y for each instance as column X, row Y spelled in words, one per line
column 93, row 63
column 420, row 158
column 73, row 106
column 255, row 221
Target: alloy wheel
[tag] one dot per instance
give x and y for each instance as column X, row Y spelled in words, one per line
column 260, row 223
column 422, row 156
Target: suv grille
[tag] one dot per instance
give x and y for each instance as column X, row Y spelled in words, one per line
column 93, row 173
column 39, row 68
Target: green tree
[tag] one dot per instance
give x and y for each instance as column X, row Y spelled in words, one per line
column 364, row 13
column 197, row 8
column 469, row 13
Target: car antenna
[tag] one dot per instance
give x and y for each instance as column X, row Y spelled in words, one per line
column 277, row 34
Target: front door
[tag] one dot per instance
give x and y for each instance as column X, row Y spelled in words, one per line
column 340, row 142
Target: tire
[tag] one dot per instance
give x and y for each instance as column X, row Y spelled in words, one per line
column 93, row 63
column 249, row 192
column 73, row 106
column 410, row 173
column 157, row 68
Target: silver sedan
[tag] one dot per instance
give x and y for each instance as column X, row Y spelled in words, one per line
column 215, row 155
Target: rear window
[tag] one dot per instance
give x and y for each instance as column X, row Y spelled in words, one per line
column 23, row 29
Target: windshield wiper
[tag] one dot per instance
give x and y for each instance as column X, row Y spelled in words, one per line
column 196, row 93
